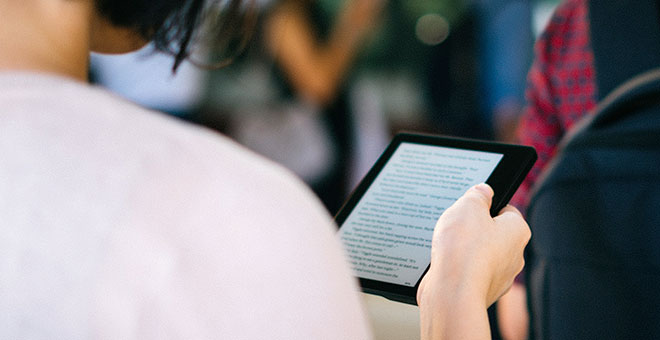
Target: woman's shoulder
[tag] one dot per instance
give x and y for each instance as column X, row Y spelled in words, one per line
column 105, row 127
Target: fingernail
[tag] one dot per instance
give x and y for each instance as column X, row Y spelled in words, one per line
column 484, row 189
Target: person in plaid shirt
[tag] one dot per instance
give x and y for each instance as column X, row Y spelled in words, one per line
column 561, row 87
column 561, row 90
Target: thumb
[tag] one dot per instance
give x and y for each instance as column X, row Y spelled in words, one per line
column 475, row 201
column 481, row 194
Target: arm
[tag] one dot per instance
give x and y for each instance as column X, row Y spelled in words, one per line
column 512, row 314
column 316, row 68
column 474, row 260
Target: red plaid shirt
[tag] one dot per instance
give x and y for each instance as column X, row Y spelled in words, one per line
column 561, row 87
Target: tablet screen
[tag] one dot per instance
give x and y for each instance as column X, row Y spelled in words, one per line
column 388, row 233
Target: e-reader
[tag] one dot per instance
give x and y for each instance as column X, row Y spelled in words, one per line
column 387, row 223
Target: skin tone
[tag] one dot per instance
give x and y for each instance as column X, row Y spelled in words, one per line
column 512, row 315
column 474, row 261
column 57, row 36
column 474, row 257
column 316, row 69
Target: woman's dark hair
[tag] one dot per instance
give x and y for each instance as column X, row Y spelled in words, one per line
column 174, row 26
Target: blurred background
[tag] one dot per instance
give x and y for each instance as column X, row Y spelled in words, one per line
column 324, row 84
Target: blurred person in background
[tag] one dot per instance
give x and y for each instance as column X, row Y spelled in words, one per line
column 550, row 113
column 297, row 75
column 314, row 54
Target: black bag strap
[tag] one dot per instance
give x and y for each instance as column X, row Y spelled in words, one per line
column 625, row 37
column 639, row 92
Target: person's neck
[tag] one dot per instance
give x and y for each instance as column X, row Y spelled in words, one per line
column 49, row 36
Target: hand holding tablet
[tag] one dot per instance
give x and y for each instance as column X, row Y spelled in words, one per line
column 475, row 259
column 387, row 224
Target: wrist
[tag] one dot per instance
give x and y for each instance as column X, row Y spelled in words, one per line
column 450, row 312
column 459, row 269
column 451, row 284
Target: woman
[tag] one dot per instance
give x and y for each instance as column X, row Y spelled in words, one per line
column 314, row 53
column 118, row 222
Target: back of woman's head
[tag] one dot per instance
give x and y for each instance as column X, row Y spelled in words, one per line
column 175, row 26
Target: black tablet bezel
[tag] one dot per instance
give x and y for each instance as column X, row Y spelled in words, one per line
column 516, row 162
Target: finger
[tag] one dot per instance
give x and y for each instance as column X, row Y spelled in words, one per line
column 475, row 200
column 481, row 194
column 473, row 206
column 510, row 217
column 510, row 209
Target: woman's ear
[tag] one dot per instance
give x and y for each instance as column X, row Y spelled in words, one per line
column 106, row 37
